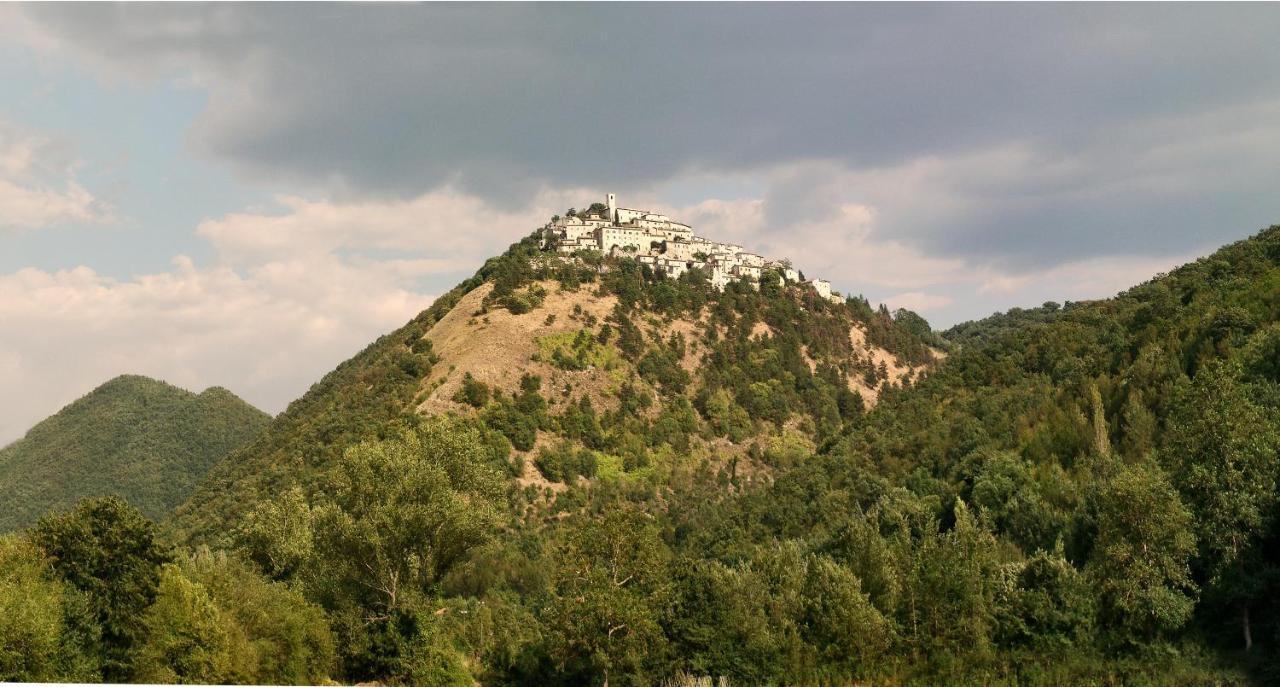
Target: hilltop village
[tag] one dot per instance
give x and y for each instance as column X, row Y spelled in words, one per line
column 669, row 247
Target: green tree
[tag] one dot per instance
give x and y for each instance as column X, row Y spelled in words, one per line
column 1044, row 603
column 840, row 621
column 280, row 637
column 1222, row 451
column 400, row 513
column 186, row 639
column 277, row 534
column 38, row 643
column 106, row 549
column 389, row 521
column 727, row 418
column 610, row 584
column 947, row 602
column 472, row 392
column 1141, row 552
column 720, row 624
column 1101, row 435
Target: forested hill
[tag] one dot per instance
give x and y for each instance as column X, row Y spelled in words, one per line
column 134, row 437
column 580, row 474
column 589, row 368
column 1077, row 489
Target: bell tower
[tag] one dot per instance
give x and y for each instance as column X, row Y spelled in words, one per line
column 613, row 209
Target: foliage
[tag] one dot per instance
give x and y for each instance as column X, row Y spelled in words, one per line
column 279, row 637
column 186, row 638
column 41, row 639
column 563, row 463
column 133, row 437
column 472, row 392
column 1078, row 494
column 400, row 513
column 108, row 551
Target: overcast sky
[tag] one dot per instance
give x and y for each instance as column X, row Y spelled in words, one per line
column 245, row 196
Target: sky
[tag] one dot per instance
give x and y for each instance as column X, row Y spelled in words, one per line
column 246, row 195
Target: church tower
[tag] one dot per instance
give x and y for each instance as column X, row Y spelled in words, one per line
column 613, row 209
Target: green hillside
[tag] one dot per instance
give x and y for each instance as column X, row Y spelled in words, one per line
column 581, row 473
column 640, row 374
column 134, row 437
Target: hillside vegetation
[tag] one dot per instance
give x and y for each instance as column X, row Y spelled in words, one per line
column 680, row 484
column 622, row 369
column 133, row 437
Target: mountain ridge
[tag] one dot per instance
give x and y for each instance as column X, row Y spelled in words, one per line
column 132, row 436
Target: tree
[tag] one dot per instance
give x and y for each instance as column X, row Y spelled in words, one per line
column 947, row 601
column 390, row 520
column 186, row 639
column 609, row 586
column 38, row 641
column 1141, row 552
column 1101, row 435
column 400, row 513
column 720, row 625
column 472, row 392
column 1044, row 603
column 277, row 535
column 279, row 637
column 839, row 620
column 106, row 549
column 1222, row 450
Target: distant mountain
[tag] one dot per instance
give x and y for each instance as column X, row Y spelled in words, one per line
column 142, row 439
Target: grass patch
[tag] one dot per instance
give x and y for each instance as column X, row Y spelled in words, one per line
column 579, row 350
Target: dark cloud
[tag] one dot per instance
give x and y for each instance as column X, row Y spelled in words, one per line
column 393, row 100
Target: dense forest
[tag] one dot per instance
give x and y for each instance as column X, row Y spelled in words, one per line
column 1077, row 494
column 145, row 441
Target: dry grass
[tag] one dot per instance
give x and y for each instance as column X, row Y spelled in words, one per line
column 497, row 347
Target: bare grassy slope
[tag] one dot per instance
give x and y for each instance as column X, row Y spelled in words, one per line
column 497, row 347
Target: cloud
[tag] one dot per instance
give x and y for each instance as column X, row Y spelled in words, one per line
column 297, row 288
column 302, row 284
column 954, row 158
column 267, row 334
column 38, row 186
column 456, row 230
column 492, row 96
column 1024, row 136
column 917, row 301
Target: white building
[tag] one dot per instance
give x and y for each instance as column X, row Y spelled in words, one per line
column 670, row 247
column 822, row 286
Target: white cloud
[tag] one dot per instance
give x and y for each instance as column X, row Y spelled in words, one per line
column 297, row 289
column 38, row 185
column 266, row 334
column 1082, row 279
column 457, row 230
column 917, row 301
column 303, row 284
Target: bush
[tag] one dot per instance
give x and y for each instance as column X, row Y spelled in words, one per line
column 563, row 463
column 472, row 392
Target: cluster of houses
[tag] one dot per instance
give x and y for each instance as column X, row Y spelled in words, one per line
column 668, row 247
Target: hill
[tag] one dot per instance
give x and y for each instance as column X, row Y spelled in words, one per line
column 134, row 437
column 599, row 362
column 1074, row 488
column 705, row 483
